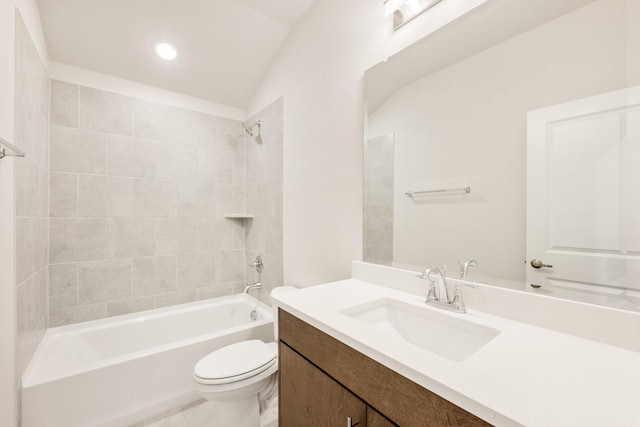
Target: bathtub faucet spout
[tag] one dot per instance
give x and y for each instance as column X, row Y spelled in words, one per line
column 256, row 285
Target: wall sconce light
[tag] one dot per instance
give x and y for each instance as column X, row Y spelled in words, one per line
column 406, row 10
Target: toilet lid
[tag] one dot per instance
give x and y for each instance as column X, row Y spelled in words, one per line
column 235, row 362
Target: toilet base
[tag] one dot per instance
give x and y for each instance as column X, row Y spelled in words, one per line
column 238, row 412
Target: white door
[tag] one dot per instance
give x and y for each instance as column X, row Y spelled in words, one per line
column 583, row 199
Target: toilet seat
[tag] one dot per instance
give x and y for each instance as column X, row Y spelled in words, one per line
column 235, row 362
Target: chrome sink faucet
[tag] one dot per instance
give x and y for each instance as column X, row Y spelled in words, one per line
column 464, row 267
column 438, row 294
column 438, row 284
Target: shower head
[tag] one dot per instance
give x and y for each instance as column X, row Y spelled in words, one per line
column 249, row 129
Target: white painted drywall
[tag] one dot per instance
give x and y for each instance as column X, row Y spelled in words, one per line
column 7, row 259
column 319, row 71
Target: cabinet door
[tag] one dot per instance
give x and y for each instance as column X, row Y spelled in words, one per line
column 376, row 419
column 309, row 397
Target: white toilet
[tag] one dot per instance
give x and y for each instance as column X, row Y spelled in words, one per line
column 243, row 376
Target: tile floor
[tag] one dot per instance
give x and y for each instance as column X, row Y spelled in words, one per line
column 203, row 413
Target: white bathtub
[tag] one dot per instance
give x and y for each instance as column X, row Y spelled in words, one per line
column 125, row 369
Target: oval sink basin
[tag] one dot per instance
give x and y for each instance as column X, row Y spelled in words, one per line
column 444, row 334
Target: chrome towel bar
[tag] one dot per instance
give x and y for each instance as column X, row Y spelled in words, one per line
column 15, row 151
column 467, row 190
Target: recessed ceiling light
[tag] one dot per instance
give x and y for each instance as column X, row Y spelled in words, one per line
column 165, row 50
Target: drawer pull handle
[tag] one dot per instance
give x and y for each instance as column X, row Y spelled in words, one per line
column 350, row 422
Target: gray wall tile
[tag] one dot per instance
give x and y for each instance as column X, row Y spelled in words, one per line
column 104, row 196
column 105, row 111
column 230, row 266
column 64, row 194
column 196, row 199
column 74, row 150
column 65, row 104
column 264, row 165
column 196, row 270
column 216, row 165
column 155, row 275
column 79, row 314
column 157, row 121
column 63, row 286
column 118, row 308
column 229, row 199
column 197, row 128
column 128, row 156
column 130, row 237
column 176, row 161
column 103, row 281
column 154, row 198
column 28, row 189
column 76, row 239
column 31, row 246
column 141, row 216
column 179, row 297
column 176, row 235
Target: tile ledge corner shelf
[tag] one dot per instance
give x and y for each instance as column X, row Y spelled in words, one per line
column 239, row 216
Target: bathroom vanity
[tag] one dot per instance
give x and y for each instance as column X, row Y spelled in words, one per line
column 325, row 382
column 368, row 351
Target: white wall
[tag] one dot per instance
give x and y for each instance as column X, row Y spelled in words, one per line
column 466, row 125
column 7, row 260
column 319, row 72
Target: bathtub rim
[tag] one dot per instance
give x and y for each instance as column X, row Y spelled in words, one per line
column 29, row 379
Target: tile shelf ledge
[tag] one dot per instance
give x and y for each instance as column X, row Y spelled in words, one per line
column 239, row 216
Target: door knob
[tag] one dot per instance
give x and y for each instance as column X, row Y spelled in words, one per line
column 536, row 263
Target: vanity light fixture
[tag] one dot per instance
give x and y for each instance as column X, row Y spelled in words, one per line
column 165, row 50
column 406, row 10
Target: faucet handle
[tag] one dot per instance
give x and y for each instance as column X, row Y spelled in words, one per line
column 431, row 295
column 457, row 297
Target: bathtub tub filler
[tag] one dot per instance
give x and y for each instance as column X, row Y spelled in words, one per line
column 122, row 370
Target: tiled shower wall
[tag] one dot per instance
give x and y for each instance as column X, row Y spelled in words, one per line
column 264, row 198
column 32, row 194
column 378, row 199
column 138, row 194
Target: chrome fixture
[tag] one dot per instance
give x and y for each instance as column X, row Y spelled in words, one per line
column 438, row 295
column 249, row 129
column 464, row 267
column 256, row 285
column 409, row 9
column 15, row 151
column 438, row 285
column 536, row 263
column 457, row 303
column 257, row 264
column 466, row 190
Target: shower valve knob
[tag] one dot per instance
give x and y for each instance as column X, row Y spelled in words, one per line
column 257, row 264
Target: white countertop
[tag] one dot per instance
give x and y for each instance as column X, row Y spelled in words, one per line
column 527, row 375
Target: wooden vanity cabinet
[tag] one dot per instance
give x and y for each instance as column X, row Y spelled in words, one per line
column 323, row 382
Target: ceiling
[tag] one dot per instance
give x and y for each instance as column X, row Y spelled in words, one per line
column 224, row 46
